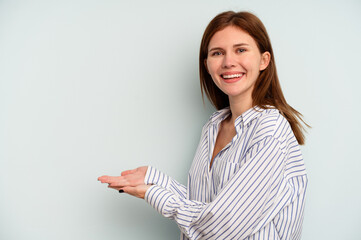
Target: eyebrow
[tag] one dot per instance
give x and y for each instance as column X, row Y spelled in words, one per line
column 235, row 45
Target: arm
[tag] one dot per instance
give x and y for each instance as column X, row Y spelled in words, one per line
column 154, row 176
column 256, row 193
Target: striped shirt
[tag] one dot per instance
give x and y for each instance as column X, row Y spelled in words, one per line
column 255, row 188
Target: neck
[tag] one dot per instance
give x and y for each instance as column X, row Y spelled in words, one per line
column 239, row 106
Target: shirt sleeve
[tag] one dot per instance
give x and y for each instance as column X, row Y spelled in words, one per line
column 252, row 198
column 154, row 176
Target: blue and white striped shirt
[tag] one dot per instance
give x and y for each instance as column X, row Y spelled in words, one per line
column 254, row 190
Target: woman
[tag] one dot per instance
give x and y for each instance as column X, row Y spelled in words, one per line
column 248, row 178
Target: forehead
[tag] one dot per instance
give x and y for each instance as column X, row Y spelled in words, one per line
column 230, row 35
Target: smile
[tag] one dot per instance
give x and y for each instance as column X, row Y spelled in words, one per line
column 231, row 78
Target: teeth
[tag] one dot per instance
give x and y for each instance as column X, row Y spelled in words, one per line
column 232, row 76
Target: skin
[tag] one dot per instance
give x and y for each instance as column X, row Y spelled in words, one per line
column 231, row 51
column 130, row 181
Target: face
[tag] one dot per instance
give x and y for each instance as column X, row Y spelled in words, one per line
column 234, row 63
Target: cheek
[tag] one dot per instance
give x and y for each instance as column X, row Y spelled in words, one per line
column 250, row 64
column 212, row 67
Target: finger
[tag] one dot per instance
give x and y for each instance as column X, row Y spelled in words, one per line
column 118, row 184
column 128, row 172
column 103, row 178
column 100, row 178
column 109, row 179
column 115, row 188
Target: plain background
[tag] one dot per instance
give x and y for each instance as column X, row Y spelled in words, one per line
column 97, row 87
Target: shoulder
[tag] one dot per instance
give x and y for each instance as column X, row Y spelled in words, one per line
column 270, row 123
column 270, row 126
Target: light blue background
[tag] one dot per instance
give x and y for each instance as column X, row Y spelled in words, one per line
column 96, row 87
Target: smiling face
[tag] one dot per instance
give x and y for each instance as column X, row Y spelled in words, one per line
column 234, row 63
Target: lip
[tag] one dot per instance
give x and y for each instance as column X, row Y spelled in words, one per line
column 232, row 80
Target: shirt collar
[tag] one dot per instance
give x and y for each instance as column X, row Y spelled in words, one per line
column 241, row 120
column 218, row 116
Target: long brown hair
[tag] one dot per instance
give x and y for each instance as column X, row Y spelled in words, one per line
column 267, row 90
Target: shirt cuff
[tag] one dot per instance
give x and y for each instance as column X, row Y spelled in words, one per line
column 157, row 197
column 154, row 176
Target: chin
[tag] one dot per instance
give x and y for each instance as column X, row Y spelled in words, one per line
column 233, row 93
column 239, row 94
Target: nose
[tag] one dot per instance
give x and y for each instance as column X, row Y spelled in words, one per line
column 228, row 61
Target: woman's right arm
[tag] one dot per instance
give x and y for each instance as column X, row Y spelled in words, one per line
column 248, row 202
column 155, row 177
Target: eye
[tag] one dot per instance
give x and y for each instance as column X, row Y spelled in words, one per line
column 241, row 50
column 216, row 53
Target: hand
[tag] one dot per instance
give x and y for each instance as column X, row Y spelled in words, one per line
column 138, row 191
column 130, row 181
column 130, row 178
column 135, row 177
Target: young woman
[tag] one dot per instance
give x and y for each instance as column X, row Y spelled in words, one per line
column 248, row 179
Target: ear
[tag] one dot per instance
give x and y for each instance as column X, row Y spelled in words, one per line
column 265, row 59
column 205, row 64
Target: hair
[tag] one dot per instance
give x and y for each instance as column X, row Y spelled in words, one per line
column 267, row 90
